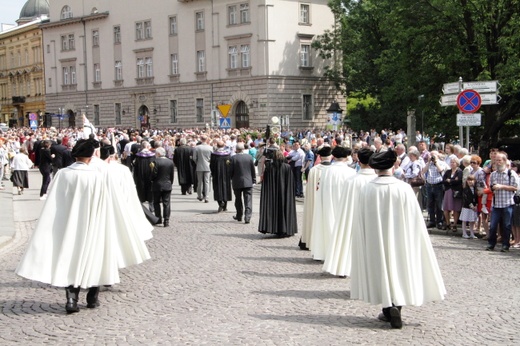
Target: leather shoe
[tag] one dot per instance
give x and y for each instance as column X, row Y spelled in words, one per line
column 237, row 218
column 490, row 248
column 395, row 318
column 92, row 297
column 430, row 225
column 166, row 223
column 72, row 299
column 220, row 209
column 200, row 198
column 206, row 201
column 247, row 221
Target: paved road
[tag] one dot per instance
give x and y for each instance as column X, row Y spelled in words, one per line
column 214, row 281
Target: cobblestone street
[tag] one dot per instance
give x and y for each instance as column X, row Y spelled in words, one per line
column 215, row 281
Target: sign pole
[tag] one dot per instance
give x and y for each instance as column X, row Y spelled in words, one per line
column 467, row 137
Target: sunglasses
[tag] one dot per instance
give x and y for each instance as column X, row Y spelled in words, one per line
column 473, row 162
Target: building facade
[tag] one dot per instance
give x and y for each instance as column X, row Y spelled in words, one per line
column 22, row 85
column 169, row 64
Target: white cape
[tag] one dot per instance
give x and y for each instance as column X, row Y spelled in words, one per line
column 327, row 207
column 392, row 257
column 77, row 240
column 339, row 254
column 313, row 181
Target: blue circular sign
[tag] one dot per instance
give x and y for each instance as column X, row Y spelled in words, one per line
column 469, row 101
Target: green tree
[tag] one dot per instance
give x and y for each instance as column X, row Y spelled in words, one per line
column 392, row 51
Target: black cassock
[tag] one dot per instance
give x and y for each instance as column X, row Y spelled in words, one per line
column 219, row 166
column 143, row 175
column 182, row 158
column 277, row 201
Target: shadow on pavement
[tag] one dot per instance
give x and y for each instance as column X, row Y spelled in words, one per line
column 284, row 259
column 315, row 276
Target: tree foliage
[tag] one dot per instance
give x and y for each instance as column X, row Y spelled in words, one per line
column 392, row 51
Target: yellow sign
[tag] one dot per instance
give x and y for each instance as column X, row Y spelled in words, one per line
column 224, row 109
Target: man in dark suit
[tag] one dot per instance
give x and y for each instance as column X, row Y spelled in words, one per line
column 243, row 176
column 58, row 150
column 182, row 158
column 162, row 180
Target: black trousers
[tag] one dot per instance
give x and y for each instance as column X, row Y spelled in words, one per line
column 164, row 197
column 247, row 194
column 46, row 180
column 298, row 184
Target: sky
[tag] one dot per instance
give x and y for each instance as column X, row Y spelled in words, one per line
column 10, row 10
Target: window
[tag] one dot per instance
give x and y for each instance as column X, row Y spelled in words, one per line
column 49, row 82
column 199, row 20
column 149, row 67
column 72, row 44
column 304, row 14
column 26, row 57
column 73, row 75
column 201, row 64
column 175, row 64
column 66, row 80
column 66, row 12
column 307, row 107
column 64, row 43
column 140, row 68
column 97, row 73
column 148, row 29
column 96, row 114
column 244, row 13
column 95, row 38
column 200, row 110
column 305, row 55
column 232, row 10
column 117, row 112
column 139, row 31
column 233, row 57
column 173, row 111
column 246, row 61
column 118, row 70
column 173, row 25
column 117, row 34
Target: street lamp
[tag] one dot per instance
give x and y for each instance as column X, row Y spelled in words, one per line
column 420, row 98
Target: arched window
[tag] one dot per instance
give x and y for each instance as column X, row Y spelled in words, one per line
column 66, row 12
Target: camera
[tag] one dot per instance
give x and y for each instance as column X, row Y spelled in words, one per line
column 433, row 159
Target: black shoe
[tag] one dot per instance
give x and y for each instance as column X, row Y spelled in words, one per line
column 430, row 225
column 395, row 318
column 159, row 222
column 206, row 201
column 72, row 294
column 439, row 225
column 92, row 297
column 200, row 198
column 382, row 317
column 490, row 248
column 220, row 209
column 247, row 221
column 504, row 248
column 166, row 223
column 237, row 218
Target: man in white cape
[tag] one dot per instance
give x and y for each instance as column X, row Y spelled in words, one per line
column 327, row 201
column 393, row 262
column 77, row 243
column 339, row 254
column 313, row 184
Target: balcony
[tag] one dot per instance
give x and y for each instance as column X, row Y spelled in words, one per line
column 18, row 99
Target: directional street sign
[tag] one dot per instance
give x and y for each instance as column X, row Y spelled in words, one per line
column 448, row 100
column 489, row 99
column 473, row 119
column 450, row 88
column 469, row 101
column 481, row 87
column 225, row 123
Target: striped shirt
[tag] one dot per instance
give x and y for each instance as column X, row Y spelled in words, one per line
column 503, row 198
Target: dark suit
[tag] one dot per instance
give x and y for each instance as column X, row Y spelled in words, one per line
column 162, row 180
column 243, row 176
column 57, row 162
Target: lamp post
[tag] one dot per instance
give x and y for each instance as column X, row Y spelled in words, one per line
column 421, row 98
column 335, row 111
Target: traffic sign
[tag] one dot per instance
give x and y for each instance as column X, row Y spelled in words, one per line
column 482, row 87
column 33, row 124
column 451, row 88
column 489, row 99
column 472, row 119
column 224, row 109
column 448, row 100
column 225, row 123
column 469, row 101
column 33, row 116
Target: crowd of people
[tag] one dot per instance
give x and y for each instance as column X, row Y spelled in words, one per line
column 353, row 181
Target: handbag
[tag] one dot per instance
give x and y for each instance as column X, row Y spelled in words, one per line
column 417, row 181
column 457, row 194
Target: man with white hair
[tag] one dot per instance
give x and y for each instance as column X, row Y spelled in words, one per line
column 162, row 180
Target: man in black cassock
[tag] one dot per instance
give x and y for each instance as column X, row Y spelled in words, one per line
column 143, row 174
column 277, row 197
column 182, row 158
column 219, row 167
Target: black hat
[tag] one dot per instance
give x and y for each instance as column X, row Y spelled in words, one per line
column 341, row 152
column 106, row 151
column 84, row 148
column 383, row 160
column 324, row 151
column 364, row 155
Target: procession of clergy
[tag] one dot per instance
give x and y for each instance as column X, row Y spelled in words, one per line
column 367, row 225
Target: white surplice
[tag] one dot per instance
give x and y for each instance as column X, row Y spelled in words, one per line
column 327, row 207
column 393, row 261
column 313, row 182
column 339, row 253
